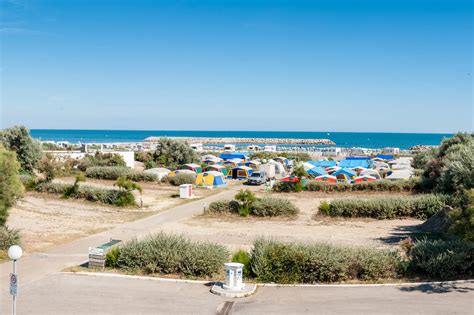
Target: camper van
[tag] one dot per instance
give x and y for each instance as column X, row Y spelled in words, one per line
column 229, row 147
column 270, row 148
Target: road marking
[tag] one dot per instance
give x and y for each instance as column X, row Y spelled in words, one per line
column 225, row 308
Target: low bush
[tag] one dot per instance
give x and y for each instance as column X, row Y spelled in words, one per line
column 114, row 172
column 264, row 207
column 9, row 237
column 287, row 187
column 179, row 179
column 442, row 259
column 272, row 206
column 111, row 258
column 421, row 206
column 172, row 254
column 29, row 181
column 101, row 159
column 274, row 261
column 109, row 196
column 379, row 185
column 223, row 206
column 243, row 257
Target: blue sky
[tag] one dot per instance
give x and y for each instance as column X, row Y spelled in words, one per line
column 335, row 65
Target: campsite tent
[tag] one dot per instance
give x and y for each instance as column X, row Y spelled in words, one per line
column 323, row 163
column 316, row 171
column 354, row 162
column 234, row 155
column 254, row 164
column 400, row 174
column 372, row 173
column 290, row 179
column 233, row 162
column 211, row 179
column 326, row 178
column 160, row 172
column 358, row 169
column 240, row 172
column 332, row 169
column 217, row 168
column 364, row 178
column 344, row 174
column 190, row 166
column 280, row 170
column 210, row 159
column 282, row 160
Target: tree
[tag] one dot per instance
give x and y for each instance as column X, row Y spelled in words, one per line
column 461, row 221
column 246, row 199
column 10, row 185
column 49, row 167
column 451, row 168
column 299, row 171
column 127, row 185
column 28, row 151
column 171, row 153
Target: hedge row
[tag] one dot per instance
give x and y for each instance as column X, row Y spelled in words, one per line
column 114, row 172
column 379, row 185
column 420, row 206
column 274, row 261
column 179, row 179
column 442, row 259
column 280, row 262
column 171, row 254
column 109, row 196
column 264, row 207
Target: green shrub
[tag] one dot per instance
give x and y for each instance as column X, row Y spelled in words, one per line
column 172, row 254
column 443, row 259
column 179, row 179
column 325, row 208
column 9, row 237
column 379, row 185
column 112, row 257
column 223, row 206
column 114, row 172
column 243, row 257
column 421, row 206
column 109, row 196
column 274, row 261
column 272, row 206
column 282, row 186
column 246, row 200
column 29, row 181
column 101, row 159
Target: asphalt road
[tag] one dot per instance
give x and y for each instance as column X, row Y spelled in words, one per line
column 79, row 294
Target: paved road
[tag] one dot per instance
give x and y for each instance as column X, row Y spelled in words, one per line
column 78, row 294
column 36, row 266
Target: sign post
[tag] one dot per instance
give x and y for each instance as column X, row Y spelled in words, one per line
column 14, row 252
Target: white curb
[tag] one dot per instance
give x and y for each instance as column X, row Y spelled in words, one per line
column 342, row 285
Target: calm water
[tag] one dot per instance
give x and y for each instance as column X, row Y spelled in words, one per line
column 342, row 139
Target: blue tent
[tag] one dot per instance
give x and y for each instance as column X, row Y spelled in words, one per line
column 323, row 163
column 345, row 171
column 348, row 163
column 385, row 157
column 235, row 155
column 317, row 171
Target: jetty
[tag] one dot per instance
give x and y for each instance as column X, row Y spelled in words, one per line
column 207, row 140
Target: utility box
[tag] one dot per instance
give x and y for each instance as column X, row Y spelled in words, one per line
column 185, row 191
column 98, row 254
column 233, row 276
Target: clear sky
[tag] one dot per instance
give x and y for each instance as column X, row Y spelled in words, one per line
column 333, row 65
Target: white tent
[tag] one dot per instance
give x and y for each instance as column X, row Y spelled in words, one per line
column 279, row 168
column 372, row 173
column 158, row 171
column 400, row 174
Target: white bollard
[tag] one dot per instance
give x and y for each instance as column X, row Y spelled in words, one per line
column 233, row 276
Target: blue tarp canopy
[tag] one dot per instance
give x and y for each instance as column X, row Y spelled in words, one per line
column 235, row 155
column 323, row 163
column 354, row 163
column 385, row 157
column 346, row 171
column 356, row 158
column 317, row 171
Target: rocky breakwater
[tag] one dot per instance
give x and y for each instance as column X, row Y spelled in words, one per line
column 269, row 141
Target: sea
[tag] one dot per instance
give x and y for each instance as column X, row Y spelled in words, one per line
column 371, row 140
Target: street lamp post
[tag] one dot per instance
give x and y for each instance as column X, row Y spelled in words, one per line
column 14, row 252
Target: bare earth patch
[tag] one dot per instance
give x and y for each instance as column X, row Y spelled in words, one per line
column 46, row 220
column 308, row 226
